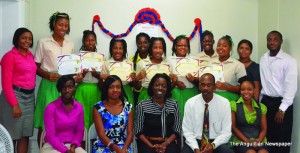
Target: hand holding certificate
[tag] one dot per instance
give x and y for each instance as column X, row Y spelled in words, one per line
column 152, row 69
column 68, row 64
column 187, row 65
column 216, row 70
column 91, row 60
column 121, row 69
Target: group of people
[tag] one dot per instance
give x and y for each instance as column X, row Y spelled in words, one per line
column 206, row 111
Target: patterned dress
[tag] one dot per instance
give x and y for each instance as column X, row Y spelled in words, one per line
column 115, row 127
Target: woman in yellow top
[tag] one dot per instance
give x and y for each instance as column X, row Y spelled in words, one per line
column 249, row 122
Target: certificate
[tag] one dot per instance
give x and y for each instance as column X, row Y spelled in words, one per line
column 91, row 60
column 121, row 69
column 68, row 64
column 152, row 69
column 216, row 70
column 187, row 65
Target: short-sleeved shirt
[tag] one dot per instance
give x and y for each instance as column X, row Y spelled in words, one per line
column 233, row 70
column 142, row 65
column 250, row 117
column 253, row 72
column 206, row 59
column 137, row 59
column 47, row 51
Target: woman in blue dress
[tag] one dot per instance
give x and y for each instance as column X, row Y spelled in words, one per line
column 113, row 119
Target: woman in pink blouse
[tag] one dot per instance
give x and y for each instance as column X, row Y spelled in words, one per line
column 18, row 71
column 64, row 122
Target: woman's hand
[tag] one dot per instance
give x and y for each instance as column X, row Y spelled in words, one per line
column 53, row 77
column 221, row 85
column 17, row 112
column 95, row 73
column 141, row 75
column 189, row 77
column 78, row 77
column 181, row 85
column 132, row 76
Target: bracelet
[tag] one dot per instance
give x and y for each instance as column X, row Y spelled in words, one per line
column 281, row 111
column 109, row 144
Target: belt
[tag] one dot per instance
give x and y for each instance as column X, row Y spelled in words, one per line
column 26, row 91
column 157, row 138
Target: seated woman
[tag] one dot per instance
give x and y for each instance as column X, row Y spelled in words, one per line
column 113, row 119
column 249, row 123
column 157, row 123
column 64, row 122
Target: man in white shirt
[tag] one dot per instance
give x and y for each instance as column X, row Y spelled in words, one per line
column 219, row 119
column 278, row 72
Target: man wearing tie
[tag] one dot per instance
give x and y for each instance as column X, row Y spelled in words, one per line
column 207, row 120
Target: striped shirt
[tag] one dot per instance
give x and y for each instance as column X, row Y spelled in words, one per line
column 152, row 120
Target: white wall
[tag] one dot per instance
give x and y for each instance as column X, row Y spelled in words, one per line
column 284, row 17
column 234, row 17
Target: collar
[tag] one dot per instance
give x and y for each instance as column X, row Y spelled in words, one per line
column 241, row 100
column 16, row 51
column 202, row 54
column 280, row 54
column 229, row 60
column 61, row 104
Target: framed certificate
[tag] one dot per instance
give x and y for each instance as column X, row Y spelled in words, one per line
column 121, row 69
column 216, row 70
column 152, row 69
column 187, row 65
column 68, row 64
column 91, row 60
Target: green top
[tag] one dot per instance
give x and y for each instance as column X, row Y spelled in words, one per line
column 250, row 117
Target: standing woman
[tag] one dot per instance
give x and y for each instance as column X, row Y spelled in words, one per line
column 142, row 42
column 157, row 52
column 118, row 53
column 45, row 57
column 87, row 92
column 18, row 73
column 232, row 68
column 113, row 119
column 249, row 121
column 252, row 68
column 184, row 87
column 157, row 123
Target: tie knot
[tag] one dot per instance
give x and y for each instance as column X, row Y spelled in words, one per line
column 206, row 105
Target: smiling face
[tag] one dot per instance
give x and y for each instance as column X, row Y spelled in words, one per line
column 159, row 88
column 244, row 51
column 25, row 41
column 157, row 50
column 114, row 90
column 208, row 43
column 90, row 43
column 68, row 90
column 181, row 48
column 118, row 51
column 61, row 27
column 247, row 91
column 142, row 44
column 223, row 48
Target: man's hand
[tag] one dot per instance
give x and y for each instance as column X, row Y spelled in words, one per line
column 208, row 148
column 279, row 116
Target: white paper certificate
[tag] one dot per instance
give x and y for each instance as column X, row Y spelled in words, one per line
column 152, row 69
column 121, row 69
column 216, row 70
column 187, row 65
column 68, row 64
column 91, row 60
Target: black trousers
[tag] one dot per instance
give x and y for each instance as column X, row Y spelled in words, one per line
column 278, row 133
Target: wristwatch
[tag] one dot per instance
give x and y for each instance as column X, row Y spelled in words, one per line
column 213, row 145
